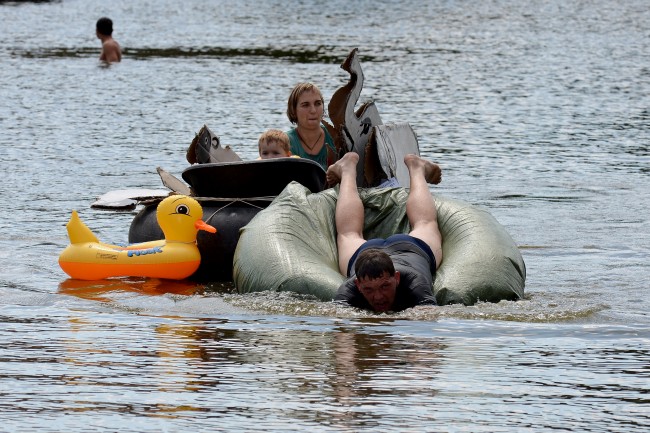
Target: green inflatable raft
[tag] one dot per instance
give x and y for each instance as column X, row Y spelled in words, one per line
column 291, row 246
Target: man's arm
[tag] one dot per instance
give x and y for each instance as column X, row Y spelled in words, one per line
column 349, row 295
column 419, row 288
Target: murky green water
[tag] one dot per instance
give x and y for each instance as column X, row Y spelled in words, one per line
column 536, row 111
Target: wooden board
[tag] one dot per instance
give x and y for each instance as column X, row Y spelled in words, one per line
column 127, row 198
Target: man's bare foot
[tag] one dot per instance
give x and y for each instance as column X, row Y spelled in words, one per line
column 347, row 163
column 432, row 172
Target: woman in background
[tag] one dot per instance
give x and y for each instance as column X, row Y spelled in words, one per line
column 309, row 138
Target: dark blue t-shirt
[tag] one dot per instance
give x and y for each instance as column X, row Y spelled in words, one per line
column 416, row 264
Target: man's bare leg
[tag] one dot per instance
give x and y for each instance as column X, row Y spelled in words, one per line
column 349, row 214
column 420, row 205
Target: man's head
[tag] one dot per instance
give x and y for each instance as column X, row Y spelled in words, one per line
column 376, row 278
column 105, row 26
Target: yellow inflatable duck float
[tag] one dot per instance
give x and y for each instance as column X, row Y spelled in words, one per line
column 176, row 257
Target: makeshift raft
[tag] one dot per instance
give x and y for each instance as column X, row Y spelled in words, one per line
column 283, row 239
column 231, row 194
column 291, row 246
column 232, row 191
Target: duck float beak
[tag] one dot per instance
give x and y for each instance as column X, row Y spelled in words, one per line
column 202, row 225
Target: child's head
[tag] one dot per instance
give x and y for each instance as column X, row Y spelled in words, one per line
column 274, row 144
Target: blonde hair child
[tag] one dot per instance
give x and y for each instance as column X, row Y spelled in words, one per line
column 274, row 144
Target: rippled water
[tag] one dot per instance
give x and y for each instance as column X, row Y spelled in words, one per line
column 537, row 111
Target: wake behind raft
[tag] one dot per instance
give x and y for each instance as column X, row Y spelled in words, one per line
column 291, row 246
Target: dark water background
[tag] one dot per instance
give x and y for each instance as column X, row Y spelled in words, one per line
column 537, row 110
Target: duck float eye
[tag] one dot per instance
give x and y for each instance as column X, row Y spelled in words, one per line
column 182, row 209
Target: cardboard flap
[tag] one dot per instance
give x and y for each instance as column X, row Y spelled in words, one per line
column 387, row 147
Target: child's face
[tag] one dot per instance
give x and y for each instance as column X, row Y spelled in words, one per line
column 272, row 149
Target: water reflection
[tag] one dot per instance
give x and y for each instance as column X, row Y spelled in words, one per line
column 337, row 374
column 351, row 373
column 347, row 369
column 101, row 290
column 372, row 368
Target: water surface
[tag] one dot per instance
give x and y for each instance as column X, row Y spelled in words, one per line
column 536, row 111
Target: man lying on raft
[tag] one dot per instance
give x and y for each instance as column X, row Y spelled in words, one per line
column 390, row 274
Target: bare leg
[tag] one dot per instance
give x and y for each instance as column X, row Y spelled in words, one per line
column 349, row 213
column 420, row 206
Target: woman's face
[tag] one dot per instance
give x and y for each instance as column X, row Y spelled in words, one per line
column 309, row 110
